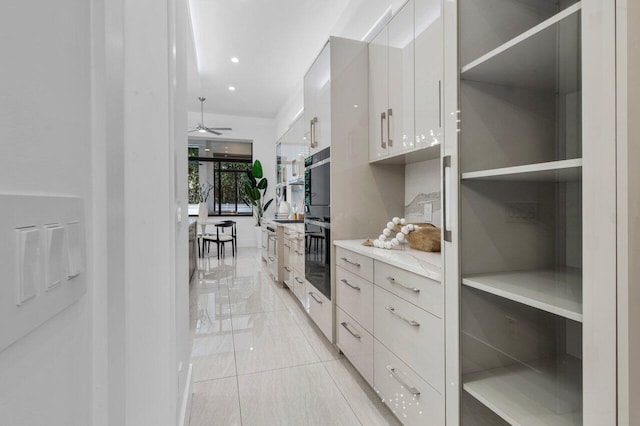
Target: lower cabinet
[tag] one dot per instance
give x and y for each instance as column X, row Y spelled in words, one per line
column 320, row 311
column 414, row 335
column 389, row 326
column 409, row 397
column 356, row 343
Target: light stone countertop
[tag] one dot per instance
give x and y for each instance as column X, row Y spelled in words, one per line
column 419, row 262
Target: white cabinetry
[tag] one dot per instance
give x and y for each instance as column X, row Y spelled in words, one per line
column 429, row 69
column 389, row 325
column 317, row 102
column 405, row 83
column 532, row 285
column 378, row 95
column 320, row 310
column 391, row 87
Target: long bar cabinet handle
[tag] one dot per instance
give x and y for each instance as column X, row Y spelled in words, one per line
column 355, row 287
column 446, row 165
column 313, row 296
column 413, row 390
column 350, row 262
column 393, row 281
column 389, row 138
column 346, row 326
column 383, row 116
column 408, row 321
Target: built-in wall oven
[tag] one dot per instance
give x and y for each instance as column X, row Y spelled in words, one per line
column 317, row 180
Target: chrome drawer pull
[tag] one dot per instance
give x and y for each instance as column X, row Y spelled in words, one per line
column 393, row 281
column 273, row 259
column 392, row 370
column 299, row 280
column 355, row 287
column 351, row 262
column 286, row 268
column 408, row 321
column 313, row 296
column 346, row 326
column 301, row 254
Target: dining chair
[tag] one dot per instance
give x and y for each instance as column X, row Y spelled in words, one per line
column 222, row 237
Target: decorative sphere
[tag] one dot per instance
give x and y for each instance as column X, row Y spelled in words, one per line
column 391, row 225
column 382, row 237
column 376, row 243
column 400, row 236
column 387, row 232
column 395, row 220
column 395, row 242
column 403, row 221
column 405, row 229
column 387, row 244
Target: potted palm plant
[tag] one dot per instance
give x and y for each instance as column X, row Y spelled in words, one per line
column 254, row 192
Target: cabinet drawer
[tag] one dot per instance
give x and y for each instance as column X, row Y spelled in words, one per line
column 354, row 295
column 421, row 291
column 320, row 310
column 409, row 397
column 356, row 343
column 412, row 334
column 297, row 254
column 355, row 263
column 299, row 287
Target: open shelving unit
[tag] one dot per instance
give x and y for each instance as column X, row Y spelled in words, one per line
column 546, row 392
column 553, row 171
column 556, row 291
column 528, row 60
column 520, row 212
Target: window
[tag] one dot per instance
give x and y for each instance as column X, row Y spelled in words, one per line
column 222, row 175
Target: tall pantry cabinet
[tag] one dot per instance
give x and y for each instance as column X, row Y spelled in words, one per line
column 529, row 212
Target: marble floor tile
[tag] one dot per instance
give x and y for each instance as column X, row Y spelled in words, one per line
column 213, row 357
column 246, row 299
column 304, row 395
column 269, row 340
column 258, row 359
column 363, row 400
column 215, row 403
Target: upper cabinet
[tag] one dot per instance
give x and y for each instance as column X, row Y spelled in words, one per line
column 429, row 68
column 317, row 102
column 291, row 150
column 405, row 81
column 378, row 95
column 400, row 110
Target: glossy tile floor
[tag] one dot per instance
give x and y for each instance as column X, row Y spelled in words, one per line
column 259, row 360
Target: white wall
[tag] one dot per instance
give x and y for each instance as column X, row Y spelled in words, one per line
column 45, row 148
column 262, row 132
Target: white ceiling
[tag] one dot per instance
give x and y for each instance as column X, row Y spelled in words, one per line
column 275, row 40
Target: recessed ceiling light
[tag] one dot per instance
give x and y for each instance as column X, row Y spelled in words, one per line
column 232, row 89
column 235, row 60
column 207, row 149
column 356, row 105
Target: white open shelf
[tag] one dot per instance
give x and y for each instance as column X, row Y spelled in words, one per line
column 528, row 60
column 554, row 171
column 544, row 392
column 556, row 291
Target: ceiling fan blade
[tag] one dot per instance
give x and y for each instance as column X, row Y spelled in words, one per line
column 220, row 128
column 212, row 131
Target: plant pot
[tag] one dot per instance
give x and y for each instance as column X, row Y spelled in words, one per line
column 203, row 213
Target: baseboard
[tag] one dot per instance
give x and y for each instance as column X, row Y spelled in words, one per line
column 185, row 409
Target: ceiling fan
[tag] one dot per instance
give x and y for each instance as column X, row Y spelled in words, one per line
column 201, row 128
